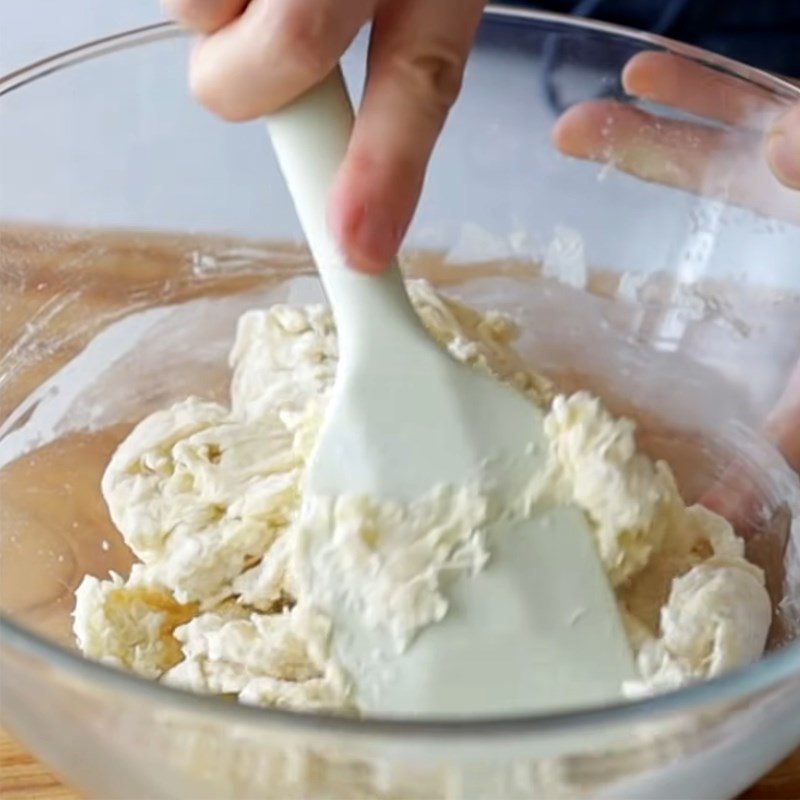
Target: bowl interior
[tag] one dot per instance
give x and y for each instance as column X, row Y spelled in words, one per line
column 90, row 372
column 680, row 309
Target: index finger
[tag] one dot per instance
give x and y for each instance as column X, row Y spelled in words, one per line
column 706, row 160
column 681, row 83
column 417, row 56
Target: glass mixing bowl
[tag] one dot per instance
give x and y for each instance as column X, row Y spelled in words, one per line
column 135, row 229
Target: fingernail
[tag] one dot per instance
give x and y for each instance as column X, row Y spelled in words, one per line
column 375, row 240
column 783, row 154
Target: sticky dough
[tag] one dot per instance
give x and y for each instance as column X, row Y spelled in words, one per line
column 209, row 499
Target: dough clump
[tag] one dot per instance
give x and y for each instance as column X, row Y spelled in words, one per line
column 209, row 499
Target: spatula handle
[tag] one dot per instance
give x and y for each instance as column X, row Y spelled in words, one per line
column 310, row 137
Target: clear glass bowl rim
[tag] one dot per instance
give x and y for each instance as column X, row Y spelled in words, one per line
column 773, row 669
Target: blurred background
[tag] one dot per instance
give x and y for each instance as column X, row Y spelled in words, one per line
column 224, row 189
column 763, row 33
column 33, row 29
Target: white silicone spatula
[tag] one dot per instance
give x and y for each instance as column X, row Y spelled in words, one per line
column 538, row 628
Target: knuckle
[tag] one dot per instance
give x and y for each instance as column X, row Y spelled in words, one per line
column 435, row 75
column 302, row 36
column 208, row 90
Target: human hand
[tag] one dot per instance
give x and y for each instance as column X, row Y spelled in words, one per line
column 759, row 138
column 760, row 142
column 254, row 56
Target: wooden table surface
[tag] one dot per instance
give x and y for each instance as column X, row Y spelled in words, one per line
column 22, row 777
